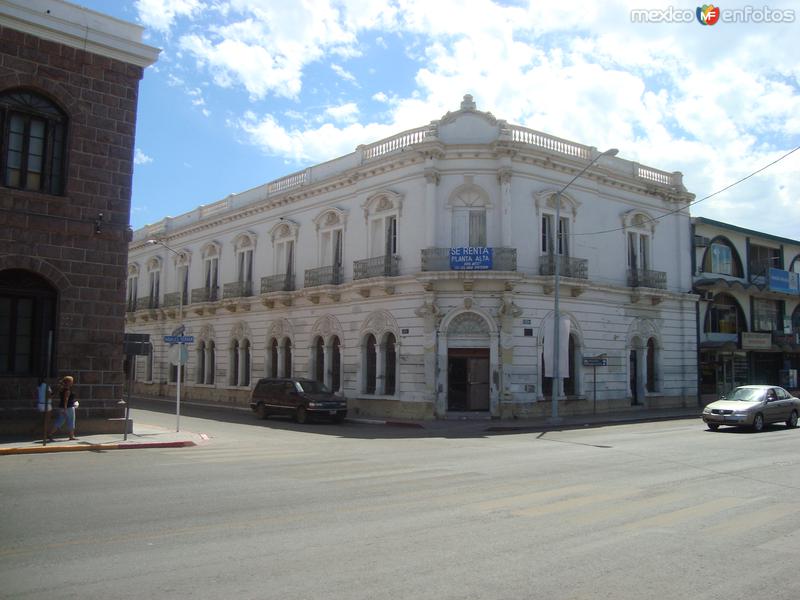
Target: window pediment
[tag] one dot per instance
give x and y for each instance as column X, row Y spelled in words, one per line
column 331, row 218
column 385, row 201
column 639, row 220
column 545, row 201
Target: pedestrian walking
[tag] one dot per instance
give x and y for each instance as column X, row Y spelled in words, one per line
column 66, row 405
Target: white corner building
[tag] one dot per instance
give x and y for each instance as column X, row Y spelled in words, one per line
column 416, row 277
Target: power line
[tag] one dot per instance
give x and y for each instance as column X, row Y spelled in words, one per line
column 727, row 187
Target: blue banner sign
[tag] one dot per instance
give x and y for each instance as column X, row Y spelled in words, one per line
column 783, row 281
column 476, row 258
column 178, row 339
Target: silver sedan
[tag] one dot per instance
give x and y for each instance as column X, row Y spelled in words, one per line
column 754, row 406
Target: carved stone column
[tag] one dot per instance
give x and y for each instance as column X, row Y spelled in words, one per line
column 504, row 178
column 432, row 181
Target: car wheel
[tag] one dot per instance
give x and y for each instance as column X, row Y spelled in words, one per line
column 758, row 422
column 261, row 411
column 713, row 426
column 792, row 420
column 301, row 415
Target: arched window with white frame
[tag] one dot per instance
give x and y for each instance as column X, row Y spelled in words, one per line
column 244, row 246
column 210, row 290
column 153, row 282
column 284, row 241
column 639, row 228
column 132, row 290
column 331, row 226
column 469, row 206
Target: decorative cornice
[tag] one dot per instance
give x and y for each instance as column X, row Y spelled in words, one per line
column 80, row 28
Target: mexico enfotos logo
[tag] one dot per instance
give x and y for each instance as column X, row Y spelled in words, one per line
column 710, row 14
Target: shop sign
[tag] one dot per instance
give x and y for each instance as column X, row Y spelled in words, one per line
column 784, row 281
column 477, row 258
column 756, row 341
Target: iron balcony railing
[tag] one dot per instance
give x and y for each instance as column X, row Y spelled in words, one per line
column 174, row 299
column 277, row 283
column 205, row 294
column 146, row 302
column 237, row 289
column 378, row 266
column 438, row 259
column 323, row 276
column 646, row 278
column 567, row 267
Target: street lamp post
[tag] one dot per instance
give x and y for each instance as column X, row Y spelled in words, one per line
column 557, row 383
column 180, row 344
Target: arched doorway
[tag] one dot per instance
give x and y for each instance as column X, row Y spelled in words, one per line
column 468, row 364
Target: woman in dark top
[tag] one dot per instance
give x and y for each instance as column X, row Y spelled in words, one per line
column 66, row 404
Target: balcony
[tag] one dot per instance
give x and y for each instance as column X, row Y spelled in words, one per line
column 174, row 299
column 567, row 266
column 378, row 266
column 130, row 305
column 646, row 278
column 323, row 276
column 237, row 289
column 205, row 294
column 146, row 303
column 277, row 283
column 439, row 259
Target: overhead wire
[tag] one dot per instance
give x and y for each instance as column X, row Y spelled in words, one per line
column 695, row 202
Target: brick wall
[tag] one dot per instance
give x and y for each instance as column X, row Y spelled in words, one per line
column 55, row 236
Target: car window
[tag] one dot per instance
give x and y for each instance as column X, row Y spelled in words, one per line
column 289, row 387
column 310, row 386
column 782, row 394
column 746, row 394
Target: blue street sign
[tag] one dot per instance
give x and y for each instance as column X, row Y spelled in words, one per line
column 592, row 361
column 179, row 339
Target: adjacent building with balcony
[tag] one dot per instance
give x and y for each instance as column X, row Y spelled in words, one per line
column 749, row 309
column 415, row 276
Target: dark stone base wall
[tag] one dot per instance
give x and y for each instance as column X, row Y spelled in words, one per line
column 77, row 241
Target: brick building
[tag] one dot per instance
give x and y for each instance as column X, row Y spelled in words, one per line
column 69, row 80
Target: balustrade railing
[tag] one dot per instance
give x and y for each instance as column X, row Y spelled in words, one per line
column 237, row 289
column 396, row 142
column 568, row 266
column 174, row 299
column 205, row 294
column 549, row 142
column 323, row 276
column 647, row 278
column 378, row 266
column 277, row 283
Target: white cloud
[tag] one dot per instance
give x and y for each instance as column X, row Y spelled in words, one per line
column 161, row 14
column 344, row 74
column 140, row 158
column 380, row 97
column 347, row 113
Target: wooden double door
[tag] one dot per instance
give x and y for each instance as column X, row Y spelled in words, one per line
column 468, row 379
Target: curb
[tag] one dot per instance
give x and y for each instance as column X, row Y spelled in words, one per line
column 94, row 447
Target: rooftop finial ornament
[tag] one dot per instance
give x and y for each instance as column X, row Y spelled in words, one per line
column 468, row 103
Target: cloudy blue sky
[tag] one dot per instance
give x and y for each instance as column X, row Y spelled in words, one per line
column 246, row 91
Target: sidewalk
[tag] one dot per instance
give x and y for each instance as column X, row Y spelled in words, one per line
column 144, row 436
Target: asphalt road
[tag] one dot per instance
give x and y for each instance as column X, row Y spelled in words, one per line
column 278, row 510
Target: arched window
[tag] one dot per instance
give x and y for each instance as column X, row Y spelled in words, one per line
column 319, row 360
column 201, row 362
column 211, row 362
column 650, row 382
column 469, row 204
column 724, row 316
column 390, row 365
column 370, row 360
column 33, row 142
column 244, row 379
column 570, row 378
column 287, row 358
column 234, row 363
column 722, row 258
column 336, row 364
column 273, row 370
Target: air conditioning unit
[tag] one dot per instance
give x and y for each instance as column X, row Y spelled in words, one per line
column 701, row 241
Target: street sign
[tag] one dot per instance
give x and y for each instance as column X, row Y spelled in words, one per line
column 593, row 361
column 178, row 339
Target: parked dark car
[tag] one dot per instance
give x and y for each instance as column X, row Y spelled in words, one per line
column 754, row 406
column 299, row 398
